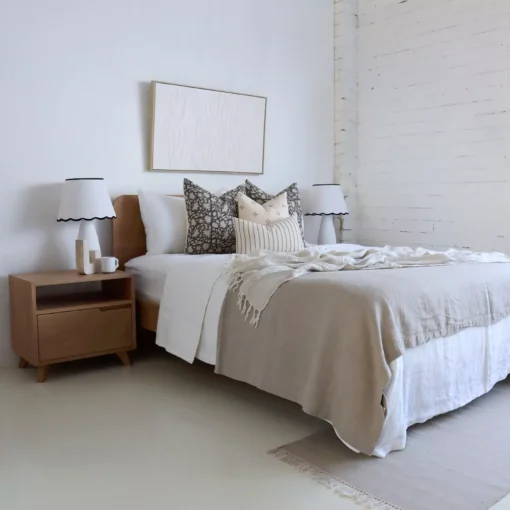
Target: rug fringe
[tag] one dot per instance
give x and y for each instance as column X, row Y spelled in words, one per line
column 339, row 487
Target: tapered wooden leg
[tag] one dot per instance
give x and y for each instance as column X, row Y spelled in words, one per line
column 42, row 373
column 23, row 363
column 124, row 357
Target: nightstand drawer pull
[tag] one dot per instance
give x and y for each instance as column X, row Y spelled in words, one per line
column 118, row 307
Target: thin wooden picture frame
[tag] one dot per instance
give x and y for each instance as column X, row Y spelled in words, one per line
column 151, row 165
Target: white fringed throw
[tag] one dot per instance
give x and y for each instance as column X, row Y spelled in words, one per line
column 256, row 277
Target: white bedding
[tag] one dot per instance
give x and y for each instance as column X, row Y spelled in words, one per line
column 150, row 272
column 437, row 377
column 190, row 292
column 442, row 375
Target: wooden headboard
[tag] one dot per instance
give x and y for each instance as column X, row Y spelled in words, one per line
column 128, row 232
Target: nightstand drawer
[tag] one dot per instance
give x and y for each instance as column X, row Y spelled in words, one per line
column 84, row 332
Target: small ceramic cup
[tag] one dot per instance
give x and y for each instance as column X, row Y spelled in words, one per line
column 109, row 264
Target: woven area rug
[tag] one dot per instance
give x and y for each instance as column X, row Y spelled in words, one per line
column 458, row 461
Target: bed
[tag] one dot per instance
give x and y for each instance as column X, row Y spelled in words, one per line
column 437, row 377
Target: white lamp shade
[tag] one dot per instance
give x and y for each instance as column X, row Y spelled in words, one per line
column 326, row 199
column 85, row 199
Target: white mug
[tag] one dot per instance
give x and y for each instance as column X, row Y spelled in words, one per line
column 109, row 264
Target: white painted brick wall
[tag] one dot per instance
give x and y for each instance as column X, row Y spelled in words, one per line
column 346, row 107
column 434, row 123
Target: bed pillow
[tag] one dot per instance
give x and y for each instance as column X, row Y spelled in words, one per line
column 274, row 210
column 210, row 227
column 164, row 219
column 281, row 236
column 293, row 199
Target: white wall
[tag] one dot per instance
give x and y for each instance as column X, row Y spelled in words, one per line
column 434, row 132
column 346, row 108
column 74, row 101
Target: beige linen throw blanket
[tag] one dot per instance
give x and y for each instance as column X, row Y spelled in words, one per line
column 326, row 340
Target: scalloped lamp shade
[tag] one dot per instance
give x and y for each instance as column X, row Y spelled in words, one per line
column 85, row 199
column 327, row 199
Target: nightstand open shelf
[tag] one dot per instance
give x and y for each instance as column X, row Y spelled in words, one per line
column 63, row 316
column 78, row 302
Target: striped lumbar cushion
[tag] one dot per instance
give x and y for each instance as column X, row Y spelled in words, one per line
column 283, row 236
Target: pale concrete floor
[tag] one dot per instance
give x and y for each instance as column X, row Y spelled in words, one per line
column 157, row 435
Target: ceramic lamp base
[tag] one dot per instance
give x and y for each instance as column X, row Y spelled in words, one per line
column 87, row 232
column 327, row 233
column 88, row 252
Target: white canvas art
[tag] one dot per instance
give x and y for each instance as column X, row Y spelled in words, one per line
column 202, row 130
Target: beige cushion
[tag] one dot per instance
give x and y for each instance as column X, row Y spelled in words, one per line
column 275, row 209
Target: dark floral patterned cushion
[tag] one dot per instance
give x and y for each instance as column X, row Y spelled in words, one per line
column 210, row 227
column 293, row 199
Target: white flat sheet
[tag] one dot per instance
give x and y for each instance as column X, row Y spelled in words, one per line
column 190, row 291
column 440, row 376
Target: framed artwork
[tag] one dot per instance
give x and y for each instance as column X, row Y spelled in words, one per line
column 203, row 130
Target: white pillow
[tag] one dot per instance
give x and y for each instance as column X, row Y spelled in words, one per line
column 164, row 219
column 273, row 210
column 281, row 236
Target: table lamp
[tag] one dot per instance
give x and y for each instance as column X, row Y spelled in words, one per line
column 327, row 200
column 84, row 200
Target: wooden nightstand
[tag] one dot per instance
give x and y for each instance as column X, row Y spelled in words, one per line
column 63, row 316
